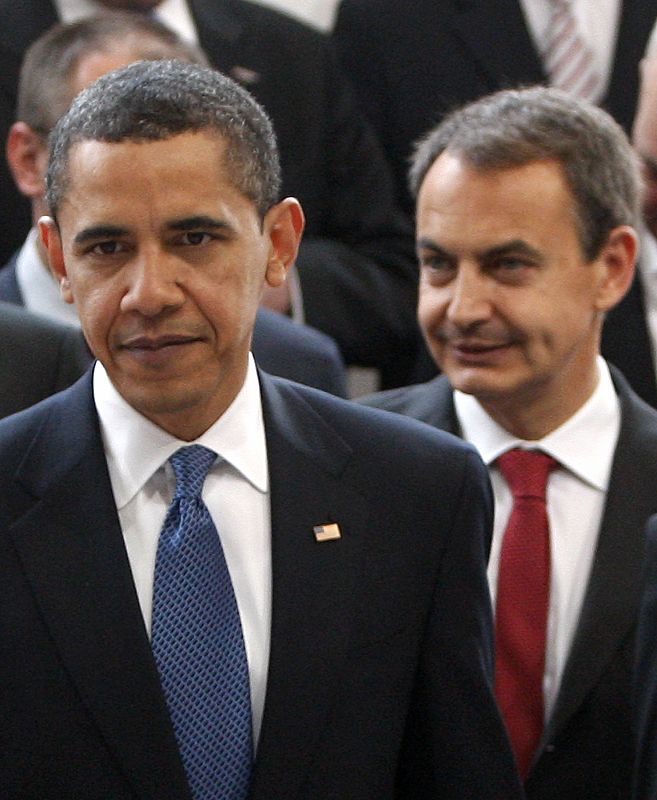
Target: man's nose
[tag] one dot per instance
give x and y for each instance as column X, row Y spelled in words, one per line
column 152, row 283
column 470, row 297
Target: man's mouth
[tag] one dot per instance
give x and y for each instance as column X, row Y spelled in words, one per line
column 155, row 343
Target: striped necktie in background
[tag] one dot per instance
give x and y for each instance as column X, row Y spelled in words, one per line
column 567, row 57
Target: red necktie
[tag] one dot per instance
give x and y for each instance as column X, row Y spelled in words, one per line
column 523, row 593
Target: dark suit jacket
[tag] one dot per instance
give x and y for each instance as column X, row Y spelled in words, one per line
column 626, row 343
column 587, row 750
column 356, row 265
column 280, row 346
column 378, row 683
column 645, row 783
column 37, row 358
column 413, row 61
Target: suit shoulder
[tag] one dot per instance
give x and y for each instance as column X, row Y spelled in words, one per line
column 375, row 430
column 402, row 397
column 430, row 402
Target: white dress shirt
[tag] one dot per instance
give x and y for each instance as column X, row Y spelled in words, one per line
column 236, row 493
column 584, row 447
column 38, row 287
column 598, row 25
column 320, row 13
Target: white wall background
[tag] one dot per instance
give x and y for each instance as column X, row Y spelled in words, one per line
column 319, row 13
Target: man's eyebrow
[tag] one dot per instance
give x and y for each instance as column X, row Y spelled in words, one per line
column 423, row 243
column 199, row 221
column 513, row 246
column 99, row 232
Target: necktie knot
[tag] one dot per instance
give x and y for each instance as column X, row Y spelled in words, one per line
column 191, row 465
column 526, row 472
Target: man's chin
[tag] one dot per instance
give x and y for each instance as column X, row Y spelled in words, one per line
column 480, row 382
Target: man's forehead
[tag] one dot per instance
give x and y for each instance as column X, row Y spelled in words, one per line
column 205, row 148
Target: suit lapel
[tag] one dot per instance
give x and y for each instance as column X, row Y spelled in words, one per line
column 497, row 36
column 68, row 538
column 610, row 604
column 312, row 584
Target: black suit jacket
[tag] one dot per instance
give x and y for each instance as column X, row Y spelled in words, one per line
column 413, row 61
column 356, row 264
column 587, row 750
column 645, row 783
column 37, row 358
column 280, row 346
column 627, row 344
column 378, row 682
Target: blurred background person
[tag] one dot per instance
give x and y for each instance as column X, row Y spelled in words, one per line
column 56, row 67
column 412, row 62
column 356, row 270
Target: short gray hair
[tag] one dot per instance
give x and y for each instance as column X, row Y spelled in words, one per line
column 157, row 100
column 515, row 127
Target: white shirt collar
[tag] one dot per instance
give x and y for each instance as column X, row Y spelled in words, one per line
column 37, row 286
column 173, row 13
column 584, row 444
column 136, row 448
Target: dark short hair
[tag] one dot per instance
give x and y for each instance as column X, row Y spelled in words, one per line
column 156, row 100
column 44, row 88
column 515, row 127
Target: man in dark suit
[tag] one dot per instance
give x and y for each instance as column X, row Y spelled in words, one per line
column 37, row 358
column 355, row 267
column 527, row 202
column 412, row 62
column 56, row 67
column 355, row 542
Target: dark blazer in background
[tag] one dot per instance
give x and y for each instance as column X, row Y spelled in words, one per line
column 37, row 358
column 413, row 61
column 380, row 657
column 280, row 346
column 356, row 264
column 645, row 778
column 626, row 342
column 587, row 751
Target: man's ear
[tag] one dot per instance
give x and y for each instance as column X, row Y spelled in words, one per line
column 27, row 155
column 52, row 242
column 617, row 262
column 284, row 225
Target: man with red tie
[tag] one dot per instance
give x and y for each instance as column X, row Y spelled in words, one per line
column 527, row 203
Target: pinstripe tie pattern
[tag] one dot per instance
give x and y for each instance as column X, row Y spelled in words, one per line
column 197, row 641
column 567, row 57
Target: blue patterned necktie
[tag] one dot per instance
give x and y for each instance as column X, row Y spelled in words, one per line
column 197, row 641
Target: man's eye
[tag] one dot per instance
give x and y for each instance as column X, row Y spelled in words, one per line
column 511, row 263
column 433, row 262
column 195, row 238
column 108, row 248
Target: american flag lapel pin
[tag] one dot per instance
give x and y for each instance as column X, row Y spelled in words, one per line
column 328, row 532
